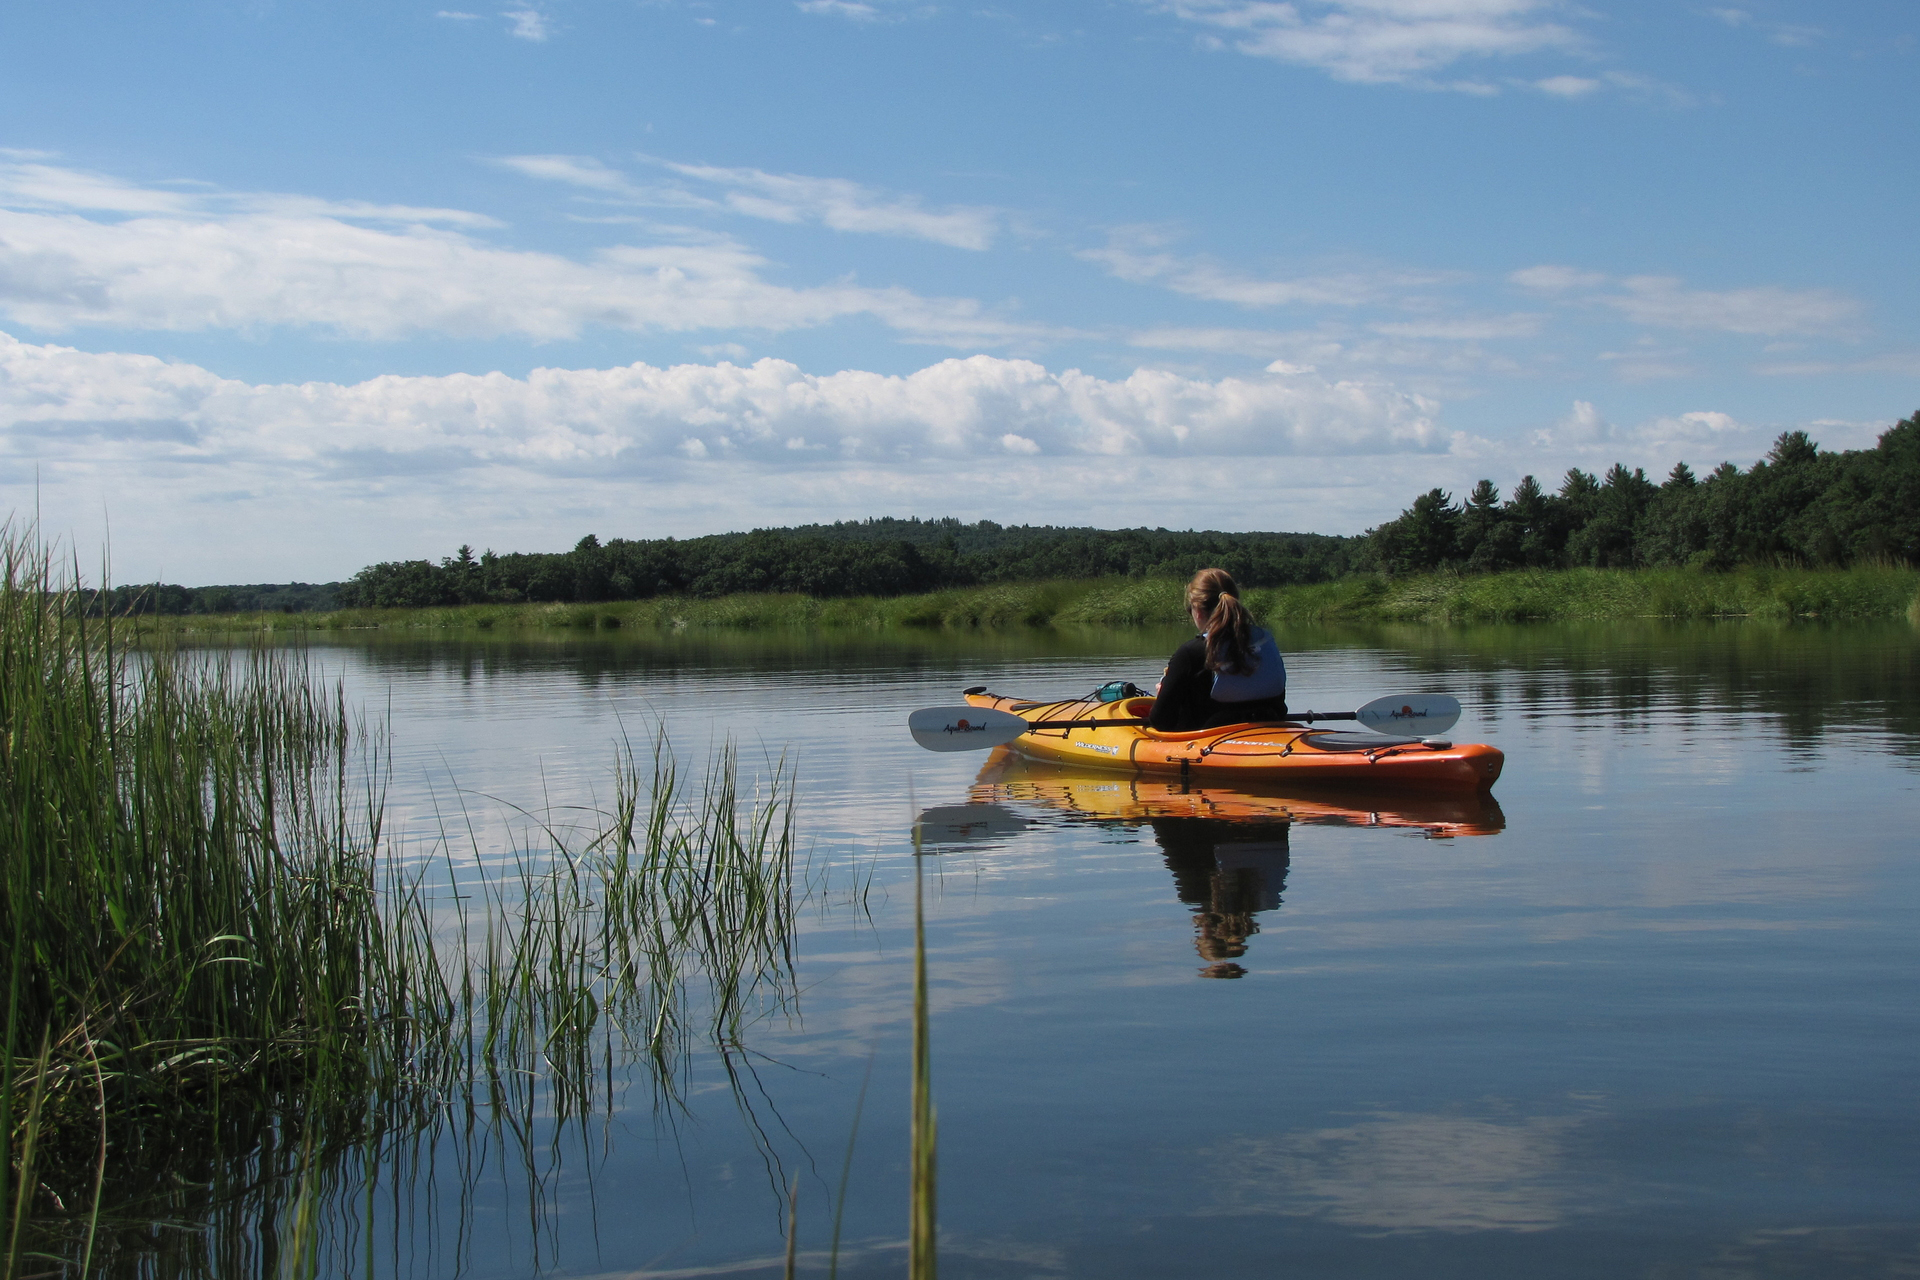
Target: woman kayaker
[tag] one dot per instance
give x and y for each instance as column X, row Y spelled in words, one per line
column 1230, row 673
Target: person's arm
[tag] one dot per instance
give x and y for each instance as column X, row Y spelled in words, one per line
column 1186, row 682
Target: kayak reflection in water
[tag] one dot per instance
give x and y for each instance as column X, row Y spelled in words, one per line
column 1226, row 843
column 1228, row 872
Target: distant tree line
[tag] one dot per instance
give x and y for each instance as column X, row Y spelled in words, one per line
column 871, row 557
column 1798, row 505
column 268, row 597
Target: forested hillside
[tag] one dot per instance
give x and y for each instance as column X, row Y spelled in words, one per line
column 265, row 597
column 869, row 558
column 1798, row 505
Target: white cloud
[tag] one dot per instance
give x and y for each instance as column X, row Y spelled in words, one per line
column 839, row 9
column 457, row 16
column 1383, row 41
column 1567, row 86
column 1586, row 438
column 1553, row 279
column 1664, row 302
column 1434, row 355
column 1795, row 37
column 1768, row 310
column 578, row 171
column 1263, row 343
column 1701, row 424
column 58, row 403
column 528, row 24
column 777, row 197
column 1465, row 328
column 1584, row 425
column 1136, row 255
column 842, row 205
column 209, row 479
column 33, row 185
column 1781, row 33
column 194, row 260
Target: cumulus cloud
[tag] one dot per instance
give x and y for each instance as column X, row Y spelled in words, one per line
column 1583, row 425
column 1138, row 255
column 212, row 479
column 59, row 402
column 1697, row 427
column 190, row 259
column 778, row 197
column 1584, row 437
column 1383, row 41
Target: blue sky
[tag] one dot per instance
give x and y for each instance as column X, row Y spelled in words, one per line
column 290, row 287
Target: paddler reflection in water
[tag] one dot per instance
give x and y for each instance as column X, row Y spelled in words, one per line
column 1230, row 673
column 1225, row 871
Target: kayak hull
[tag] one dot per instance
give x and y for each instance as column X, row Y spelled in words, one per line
column 1275, row 750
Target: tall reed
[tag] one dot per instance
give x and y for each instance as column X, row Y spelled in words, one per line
column 220, row 973
column 922, row 1224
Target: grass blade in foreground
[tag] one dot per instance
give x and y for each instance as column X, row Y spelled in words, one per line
column 922, row 1260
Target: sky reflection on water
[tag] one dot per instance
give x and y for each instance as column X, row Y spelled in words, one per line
column 1655, row 1008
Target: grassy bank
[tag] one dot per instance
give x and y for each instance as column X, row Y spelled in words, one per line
column 1532, row 595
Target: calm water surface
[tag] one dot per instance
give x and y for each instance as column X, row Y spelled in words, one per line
column 1652, row 1011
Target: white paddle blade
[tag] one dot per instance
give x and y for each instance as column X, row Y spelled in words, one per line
column 963, row 728
column 1416, row 714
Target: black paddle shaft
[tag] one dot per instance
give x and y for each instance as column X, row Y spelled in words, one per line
column 1034, row 725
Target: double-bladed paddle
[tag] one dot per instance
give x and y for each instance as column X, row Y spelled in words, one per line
column 977, row 728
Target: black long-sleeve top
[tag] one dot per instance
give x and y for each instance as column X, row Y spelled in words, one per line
column 1186, row 696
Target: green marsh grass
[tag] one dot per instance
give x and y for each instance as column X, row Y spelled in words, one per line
column 228, row 996
column 1561, row 595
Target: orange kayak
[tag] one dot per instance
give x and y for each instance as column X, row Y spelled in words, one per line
column 1271, row 751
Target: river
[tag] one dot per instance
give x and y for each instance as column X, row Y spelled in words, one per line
column 1653, row 1009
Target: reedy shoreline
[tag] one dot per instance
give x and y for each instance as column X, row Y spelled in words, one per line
column 225, row 977
column 1547, row 595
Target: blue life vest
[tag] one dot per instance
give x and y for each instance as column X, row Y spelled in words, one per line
column 1269, row 678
